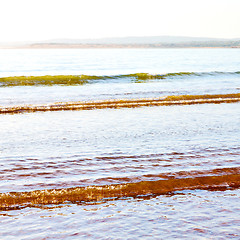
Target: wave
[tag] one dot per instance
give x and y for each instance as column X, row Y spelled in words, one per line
column 216, row 179
column 50, row 80
column 126, row 103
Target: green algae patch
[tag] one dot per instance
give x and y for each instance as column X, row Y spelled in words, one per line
column 47, row 80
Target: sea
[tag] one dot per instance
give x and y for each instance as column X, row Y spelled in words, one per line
column 149, row 172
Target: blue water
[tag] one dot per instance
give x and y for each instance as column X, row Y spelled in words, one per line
column 216, row 71
column 18, row 62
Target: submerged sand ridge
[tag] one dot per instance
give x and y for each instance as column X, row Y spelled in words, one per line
column 125, row 103
column 218, row 179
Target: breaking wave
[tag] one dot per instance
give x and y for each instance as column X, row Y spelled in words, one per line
column 84, row 79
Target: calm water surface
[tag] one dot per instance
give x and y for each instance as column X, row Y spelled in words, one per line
column 31, row 62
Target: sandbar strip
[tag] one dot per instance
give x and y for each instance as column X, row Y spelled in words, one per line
column 124, row 103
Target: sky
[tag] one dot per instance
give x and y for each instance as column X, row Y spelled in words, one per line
column 36, row 20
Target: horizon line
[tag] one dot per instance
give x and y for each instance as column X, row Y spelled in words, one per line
column 120, row 37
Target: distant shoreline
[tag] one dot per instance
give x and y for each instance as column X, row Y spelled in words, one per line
column 128, row 42
column 109, row 46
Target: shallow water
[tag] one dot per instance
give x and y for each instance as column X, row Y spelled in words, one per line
column 75, row 148
column 128, row 173
column 185, row 215
column 121, row 89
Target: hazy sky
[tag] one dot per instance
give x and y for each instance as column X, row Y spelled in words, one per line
column 22, row 20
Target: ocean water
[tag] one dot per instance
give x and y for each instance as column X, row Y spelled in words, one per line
column 210, row 71
column 152, row 172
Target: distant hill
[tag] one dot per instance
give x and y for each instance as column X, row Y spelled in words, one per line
column 148, row 42
column 137, row 40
